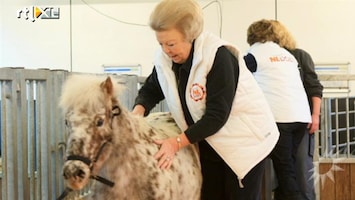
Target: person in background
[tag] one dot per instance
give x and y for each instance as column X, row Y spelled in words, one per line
column 314, row 90
column 276, row 71
column 213, row 98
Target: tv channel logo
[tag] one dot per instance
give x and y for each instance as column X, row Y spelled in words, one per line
column 34, row 12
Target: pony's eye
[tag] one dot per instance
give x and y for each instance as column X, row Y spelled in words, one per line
column 66, row 123
column 100, row 122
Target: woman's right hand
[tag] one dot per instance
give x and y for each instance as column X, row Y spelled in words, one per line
column 138, row 110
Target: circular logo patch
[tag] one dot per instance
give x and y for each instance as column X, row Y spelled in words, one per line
column 197, row 92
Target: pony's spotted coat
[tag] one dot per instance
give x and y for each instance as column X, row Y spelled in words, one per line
column 100, row 128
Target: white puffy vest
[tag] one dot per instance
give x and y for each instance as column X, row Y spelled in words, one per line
column 278, row 76
column 250, row 133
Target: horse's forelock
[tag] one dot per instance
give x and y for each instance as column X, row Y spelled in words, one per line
column 85, row 91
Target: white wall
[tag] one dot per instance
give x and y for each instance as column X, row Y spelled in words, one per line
column 89, row 35
column 325, row 28
column 39, row 44
column 99, row 40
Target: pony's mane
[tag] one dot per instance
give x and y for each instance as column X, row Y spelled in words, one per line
column 85, row 91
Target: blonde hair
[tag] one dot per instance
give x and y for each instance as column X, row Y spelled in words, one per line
column 284, row 36
column 184, row 15
column 270, row 30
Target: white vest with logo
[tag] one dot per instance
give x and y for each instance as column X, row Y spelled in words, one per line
column 250, row 133
column 278, row 76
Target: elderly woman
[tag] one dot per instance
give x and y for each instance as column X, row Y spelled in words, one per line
column 213, row 98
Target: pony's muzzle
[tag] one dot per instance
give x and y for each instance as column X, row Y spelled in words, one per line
column 76, row 174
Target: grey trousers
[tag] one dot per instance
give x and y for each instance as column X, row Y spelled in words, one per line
column 305, row 167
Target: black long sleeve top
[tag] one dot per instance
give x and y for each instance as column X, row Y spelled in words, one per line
column 309, row 77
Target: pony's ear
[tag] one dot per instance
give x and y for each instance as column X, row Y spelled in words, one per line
column 108, row 86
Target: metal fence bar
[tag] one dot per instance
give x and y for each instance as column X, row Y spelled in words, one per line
column 8, row 129
column 58, row 135
column 323, row 138
column 28, row 121
column 43, row 147
column 336, row 128
column 347, row 128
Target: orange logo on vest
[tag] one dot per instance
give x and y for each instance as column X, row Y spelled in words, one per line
column 197, row 92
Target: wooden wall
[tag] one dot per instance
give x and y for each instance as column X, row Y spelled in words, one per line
column 336, row 181
column 342, row 187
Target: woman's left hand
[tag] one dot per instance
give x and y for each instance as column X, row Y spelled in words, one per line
column 314, row 126
column 166, row 153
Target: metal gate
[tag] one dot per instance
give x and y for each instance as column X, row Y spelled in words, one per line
column 31, row 131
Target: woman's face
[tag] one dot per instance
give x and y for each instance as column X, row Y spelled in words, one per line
column 174, row 45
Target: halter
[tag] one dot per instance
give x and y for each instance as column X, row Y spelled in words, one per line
column 90, row 163
column 115, row 112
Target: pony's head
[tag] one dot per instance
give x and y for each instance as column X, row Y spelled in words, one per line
column 89, row 104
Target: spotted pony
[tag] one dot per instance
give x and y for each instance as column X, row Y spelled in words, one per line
column 108, row 143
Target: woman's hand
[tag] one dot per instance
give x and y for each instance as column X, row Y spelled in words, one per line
column 138, row 110
column 168, row 148
column 314, row 126
column 166, row 153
